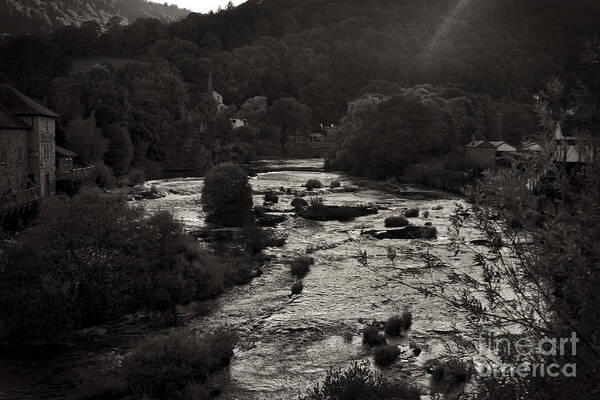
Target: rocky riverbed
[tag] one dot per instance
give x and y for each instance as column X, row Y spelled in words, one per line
column 287, row 343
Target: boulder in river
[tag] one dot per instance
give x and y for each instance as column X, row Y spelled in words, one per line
column 336, row 213
column 409, row 232
column 270, row 220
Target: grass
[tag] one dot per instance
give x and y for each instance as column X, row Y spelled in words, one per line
column 395, row 222
column 372, row 337
column 397, row 324
column 386, row 355
column 300, row 266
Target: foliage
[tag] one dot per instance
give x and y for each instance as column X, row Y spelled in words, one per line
column 227, row 196
column 386, row 355
column 93, row 258
column 397, row 324
column 313, row 184
column 271, row 197
column 359, row 382
column 136, row 177
column 165, row 367
column 395, row 222
column 446, row 374
column 335, row 184
column 300, row 266
column 411, row 213
column 297, row 287
column 83, row 137
column 372, row 336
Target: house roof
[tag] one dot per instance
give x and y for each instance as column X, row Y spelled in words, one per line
column 8, row 121
column 64, row 152
column 502, row 146
column 482, row 144
column 21, row 105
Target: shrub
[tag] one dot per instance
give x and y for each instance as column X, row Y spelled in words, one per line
column 397, row 324
column 271, row 197
column 136, row 177
column 359, row 383
column 93, row 258
column 254, row 238
column 227, row 196
column 411, row 213
column 164, row 367
column 449, row 373
column 348, row 336
column 313, row 184
column 372, row 337
column 395, row 222
column 299, row 203
column 335, row 184
column 300, row 266
column 386, row 355
column 425, row 214
column 104, row 175
column 297, row 287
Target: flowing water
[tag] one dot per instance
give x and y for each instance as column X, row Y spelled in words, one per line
column 287, row 343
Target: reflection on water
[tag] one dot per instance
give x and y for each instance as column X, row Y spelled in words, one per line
column 287, row 343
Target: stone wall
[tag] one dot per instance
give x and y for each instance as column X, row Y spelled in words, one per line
column 13, row 160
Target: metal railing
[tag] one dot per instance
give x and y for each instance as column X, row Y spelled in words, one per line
column 20, row 198
column 76, row 174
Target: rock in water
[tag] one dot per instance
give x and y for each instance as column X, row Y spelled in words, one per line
column 410, row 232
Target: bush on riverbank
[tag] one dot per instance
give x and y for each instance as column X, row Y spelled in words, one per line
column 136, row 177
column 227, row 196
column 397, row 324
column 357, row 383
column 168, row 367
column 93, row 258
column 395, row 222
column 300, row 266
column 386, row 355
column 447, row 374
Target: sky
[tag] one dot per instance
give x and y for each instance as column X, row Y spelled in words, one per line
column 203, row 6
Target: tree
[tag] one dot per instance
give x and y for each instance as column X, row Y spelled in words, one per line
column 291, row 116
column 120, row 149
column 227, row 196
column 85, row 139
column 90, row 259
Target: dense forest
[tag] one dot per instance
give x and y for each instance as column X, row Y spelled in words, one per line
column 135, row 95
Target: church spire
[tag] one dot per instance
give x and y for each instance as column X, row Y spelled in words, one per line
column 209, row 87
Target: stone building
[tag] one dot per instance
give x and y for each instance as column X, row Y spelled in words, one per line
column 27, row 149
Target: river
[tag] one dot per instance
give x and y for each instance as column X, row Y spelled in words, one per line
column 287, row 343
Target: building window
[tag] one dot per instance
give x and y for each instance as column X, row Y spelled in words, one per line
column 3, row 155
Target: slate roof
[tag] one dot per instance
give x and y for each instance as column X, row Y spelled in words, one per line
column 8, row 121
column 64, row 152
column 20, row 105
column 481, row 144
